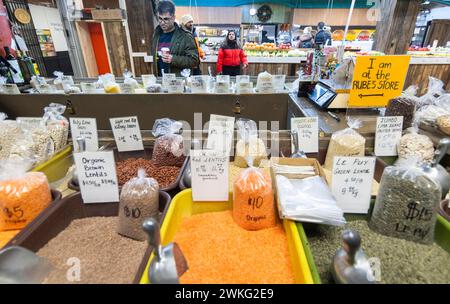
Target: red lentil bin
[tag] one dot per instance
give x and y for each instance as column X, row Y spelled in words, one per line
column 164, row 175
column 218, row 251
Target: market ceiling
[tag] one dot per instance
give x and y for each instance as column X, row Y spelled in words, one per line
column 289, row 3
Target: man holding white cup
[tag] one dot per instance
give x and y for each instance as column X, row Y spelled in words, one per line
column 173, row 48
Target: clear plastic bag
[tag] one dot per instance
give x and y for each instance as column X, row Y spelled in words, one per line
column 129, row 85
column 308, row 200
column 248, row 144
column 264, row 83
column 347, row 142
column 402, row 106
column 57, row 124
column 63, row 82
column 429, row 114
column 406, row 205
column 139, row 199
column 168, row 150
column 23, row 195
column 435, row 90
column 9, row 132
column 253, row 200
column 443, row 123
column 109, row 84
column 413, row 144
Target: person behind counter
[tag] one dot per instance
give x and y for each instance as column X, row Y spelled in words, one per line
column 231, row 56
column 322, row 35
column 187, row 24
column 306, row 39
column 174, row 48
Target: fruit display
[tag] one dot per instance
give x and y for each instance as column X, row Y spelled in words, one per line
column 353, row 35
column 271, row 50
column 428, row 52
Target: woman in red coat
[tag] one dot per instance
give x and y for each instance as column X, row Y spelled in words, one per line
column 231, row 56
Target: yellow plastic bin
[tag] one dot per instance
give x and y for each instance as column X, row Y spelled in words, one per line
column 182, row 206
column 56, row 167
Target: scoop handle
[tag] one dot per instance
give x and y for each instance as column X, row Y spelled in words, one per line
column 151, row 227
column 81, row 144
column 352, row 243
column 441, row 150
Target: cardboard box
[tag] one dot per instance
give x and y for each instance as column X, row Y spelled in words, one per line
column 108, row 14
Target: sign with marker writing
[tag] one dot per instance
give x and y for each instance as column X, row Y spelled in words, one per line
column 209, row 171
column 220, row 133
column 97, row 176
column 87, row 128
column 388, row 134
column 352, row 183
column 127, row 133
column 30, row 122
column 308, row 133
column 377, row 79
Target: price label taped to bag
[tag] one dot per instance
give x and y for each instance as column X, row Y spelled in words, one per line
column 30, row 122
column 209, row 172
column 127, row 133
column 86, row 128
column 308, row 133
column 175, row 86
column 97, row 176
column 220, row 133
column 388, row 133
column 352, row 183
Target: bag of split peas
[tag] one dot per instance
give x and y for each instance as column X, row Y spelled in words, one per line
column 23, row 195
column 169, row 149
column 253, row 200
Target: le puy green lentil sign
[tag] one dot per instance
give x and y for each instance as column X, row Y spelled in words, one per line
column 387, row 135
column 127, row 133
column 86, row 128
column 377, row 79
column 97, row 176
column 209, row 172
column 352, row 183
column 308, row 133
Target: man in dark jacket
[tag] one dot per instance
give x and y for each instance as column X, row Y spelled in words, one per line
column 322, row 36
column 173, row 48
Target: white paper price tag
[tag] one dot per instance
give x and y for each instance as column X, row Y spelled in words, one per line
column 220, row 133
column 30, row 122
column 209, row 171
column 87, row 128
column 97, row 176
column 308, row 133
column 352, row 183
column 127, row 133
column 175, row 86
column 388, row 134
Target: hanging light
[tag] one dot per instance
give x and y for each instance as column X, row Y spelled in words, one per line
column 252, row 11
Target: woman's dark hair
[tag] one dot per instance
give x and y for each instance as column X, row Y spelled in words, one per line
column 231, row 44
column 166, row 6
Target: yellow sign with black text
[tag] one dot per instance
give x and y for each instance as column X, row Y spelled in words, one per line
column 376, row 79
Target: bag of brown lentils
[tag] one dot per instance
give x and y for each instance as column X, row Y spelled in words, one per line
column 168, row 150
column 139, row 200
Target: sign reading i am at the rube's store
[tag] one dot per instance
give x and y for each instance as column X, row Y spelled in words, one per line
column 377, row 79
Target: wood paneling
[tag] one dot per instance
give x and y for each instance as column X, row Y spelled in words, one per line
column 117, row 44
column 140, row 23
column 211, row 15
column 440, row 31
column 88, row 51
column 396, row 27
column 333, row 17
column 418, row 75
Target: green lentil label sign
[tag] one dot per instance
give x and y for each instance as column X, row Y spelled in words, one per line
column 377, row 79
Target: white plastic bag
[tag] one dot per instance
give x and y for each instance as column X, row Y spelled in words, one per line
column 248, row 144
column 57, row 124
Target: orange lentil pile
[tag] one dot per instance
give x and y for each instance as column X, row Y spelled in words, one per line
column 22, row 199
column 6, row 236
column 218, row 251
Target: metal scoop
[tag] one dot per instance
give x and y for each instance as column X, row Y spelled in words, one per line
column 437, row 172
column 81, row 148
column 168, row 263
column 22, row 266
column 297, row 152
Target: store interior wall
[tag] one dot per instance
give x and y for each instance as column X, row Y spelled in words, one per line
column 99, row 46
column 5, row 31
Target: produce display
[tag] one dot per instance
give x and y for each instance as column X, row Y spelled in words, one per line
column 429, row 52
column 271, row 50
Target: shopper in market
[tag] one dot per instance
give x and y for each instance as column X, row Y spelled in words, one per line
column 231, row 56
column 173, row 47
column 322, row 35
column 187, row 24
column 306, row 39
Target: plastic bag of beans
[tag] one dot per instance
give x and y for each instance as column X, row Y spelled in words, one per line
column 253, row 200
column 57, row 124
column 347, row 142
column 168, row 150
column 139, row 200
column 9, row 132
column 248, row 145
column 23, row 195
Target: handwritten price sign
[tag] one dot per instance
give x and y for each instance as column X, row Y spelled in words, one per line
column 377, row 79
